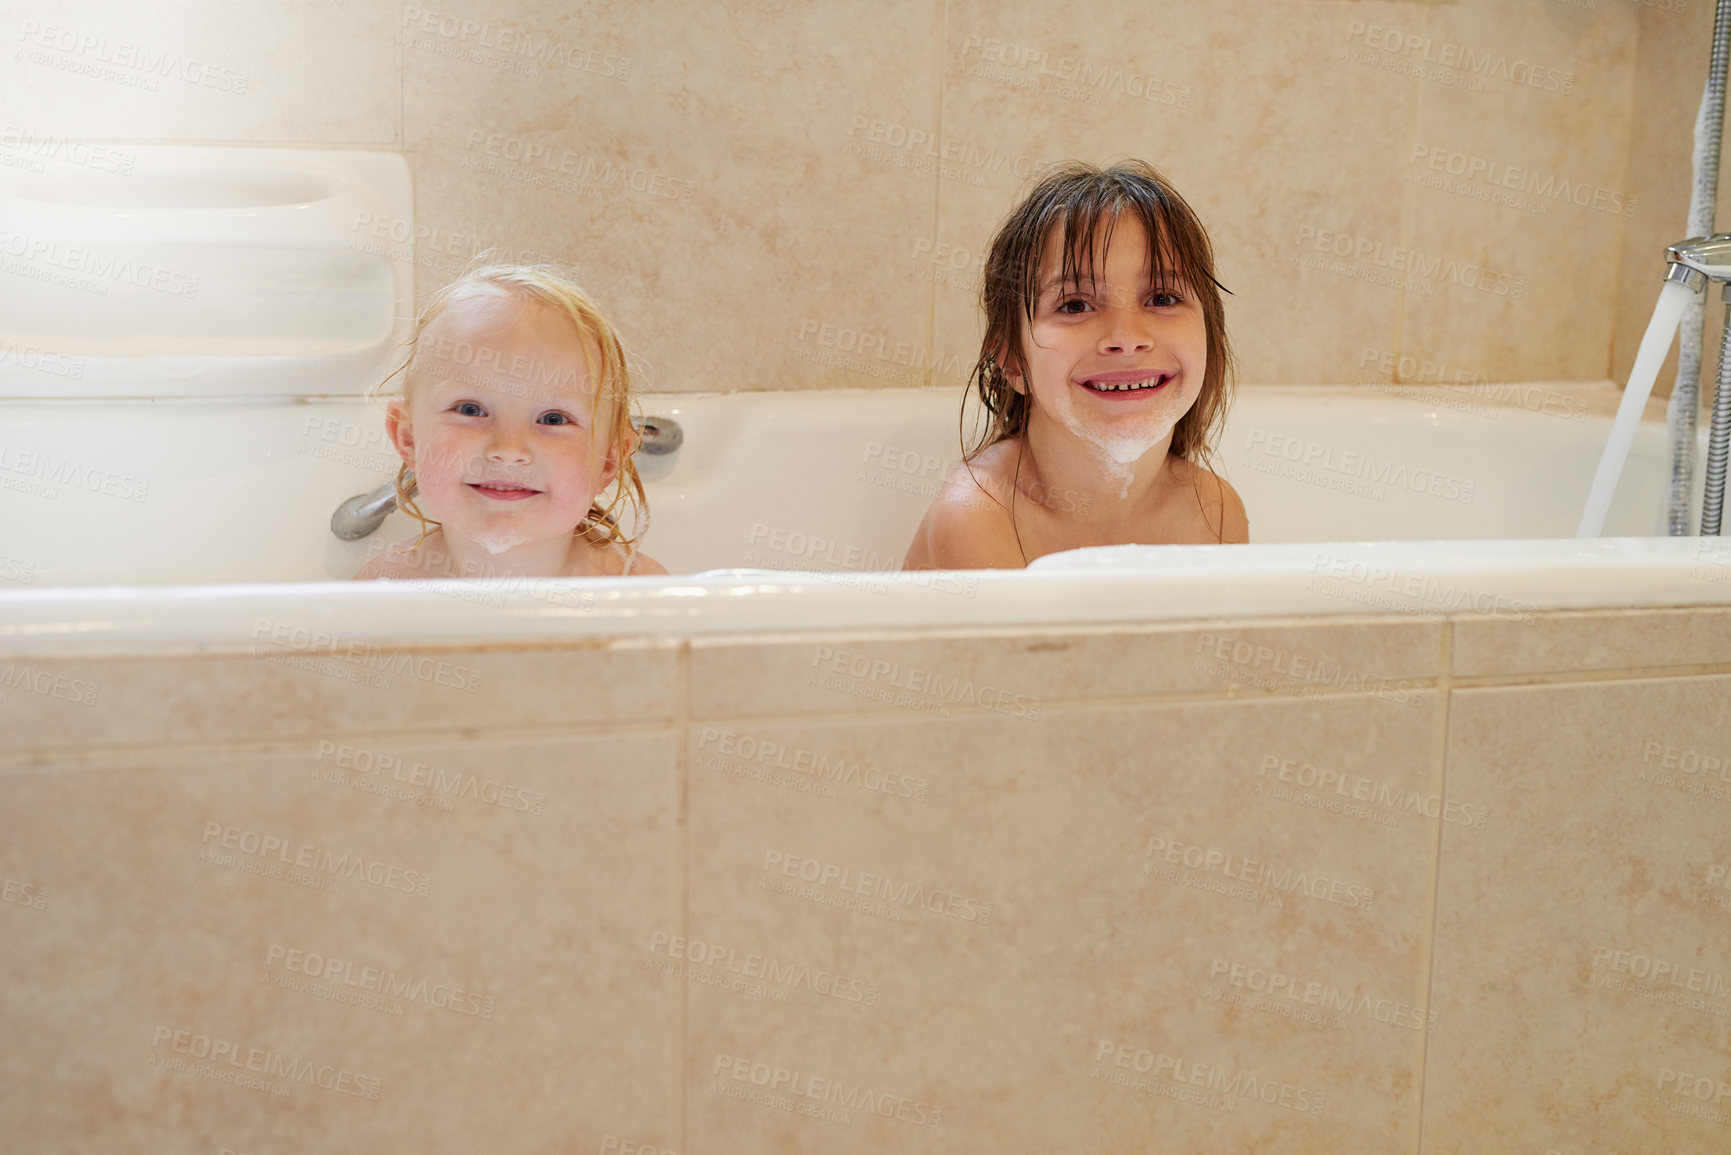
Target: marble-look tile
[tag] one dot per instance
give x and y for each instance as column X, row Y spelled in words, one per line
column 440, row 949
column 1582, row 975
column 779, row 199
column 1670, row 72
column 253, row 72
column 284, row 691
column 726, row 181
column 1018, row 676
column 1519, row 188
column 1592, row 641
column 1250, row 128
column 1206, row 919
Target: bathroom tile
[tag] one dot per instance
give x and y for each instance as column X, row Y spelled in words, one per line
column 713, row 189
column 1018, row 676
column 508, row 998
column 1248, row 127
column 1670, row 71
column 1519, row 192
column 1583, row 961
column 253, row 72
column 620, row 140
column 284, row 692
column 1011, row 925
column 1592, row 641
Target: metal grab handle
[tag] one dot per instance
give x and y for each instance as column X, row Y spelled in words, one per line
column 661, row 435
column 361, row 515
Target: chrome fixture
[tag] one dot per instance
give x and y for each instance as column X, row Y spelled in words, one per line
column 1718, row 432
column 1699, row 259
column 360, row 516
column 1703, row 197
column 661, row 435
column 1694, row 262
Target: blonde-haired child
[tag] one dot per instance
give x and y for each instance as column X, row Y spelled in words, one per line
column 513, row 421
column 1105, row 374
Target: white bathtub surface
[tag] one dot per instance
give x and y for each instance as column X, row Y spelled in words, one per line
column 1507, row 580
column 183, row 271
column 220, row 491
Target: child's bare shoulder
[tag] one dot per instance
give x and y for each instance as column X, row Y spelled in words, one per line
column 1222, row 509
column 400, row 562
column 642, row 565
column 610, row 559
column 969, row 525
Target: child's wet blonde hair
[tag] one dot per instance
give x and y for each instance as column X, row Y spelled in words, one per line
column 550, row 287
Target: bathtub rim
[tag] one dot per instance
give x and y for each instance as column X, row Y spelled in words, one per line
column 1115, row 586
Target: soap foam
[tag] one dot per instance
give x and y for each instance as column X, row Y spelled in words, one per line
column 1123, row 443
column 497, row 539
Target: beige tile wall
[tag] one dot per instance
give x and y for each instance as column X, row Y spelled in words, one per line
column 1582, row 968
column 784, row 196
column 259, row 927
column 1674, row 44
column 1364, row 885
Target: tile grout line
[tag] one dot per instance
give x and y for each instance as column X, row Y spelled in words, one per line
column 402, row 98
column 23, row 759
column 27, row 759
column 942, row 38
column 1439, row 759
column 1621, row 264
column 1048, row 707
column 650, row 641
column 1585, row 677
column 1409, row 216
column 681, row 879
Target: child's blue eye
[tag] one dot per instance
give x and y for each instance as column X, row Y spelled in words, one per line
column 469, row 409
column 556, row 418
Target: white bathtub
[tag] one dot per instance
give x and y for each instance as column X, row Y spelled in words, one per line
column 189, row 515
column 1091, row 778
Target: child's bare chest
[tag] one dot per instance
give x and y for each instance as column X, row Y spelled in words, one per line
column 1179, row 521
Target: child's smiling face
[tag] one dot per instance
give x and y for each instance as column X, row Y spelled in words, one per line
column 500, row 424
column 1119, row 360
